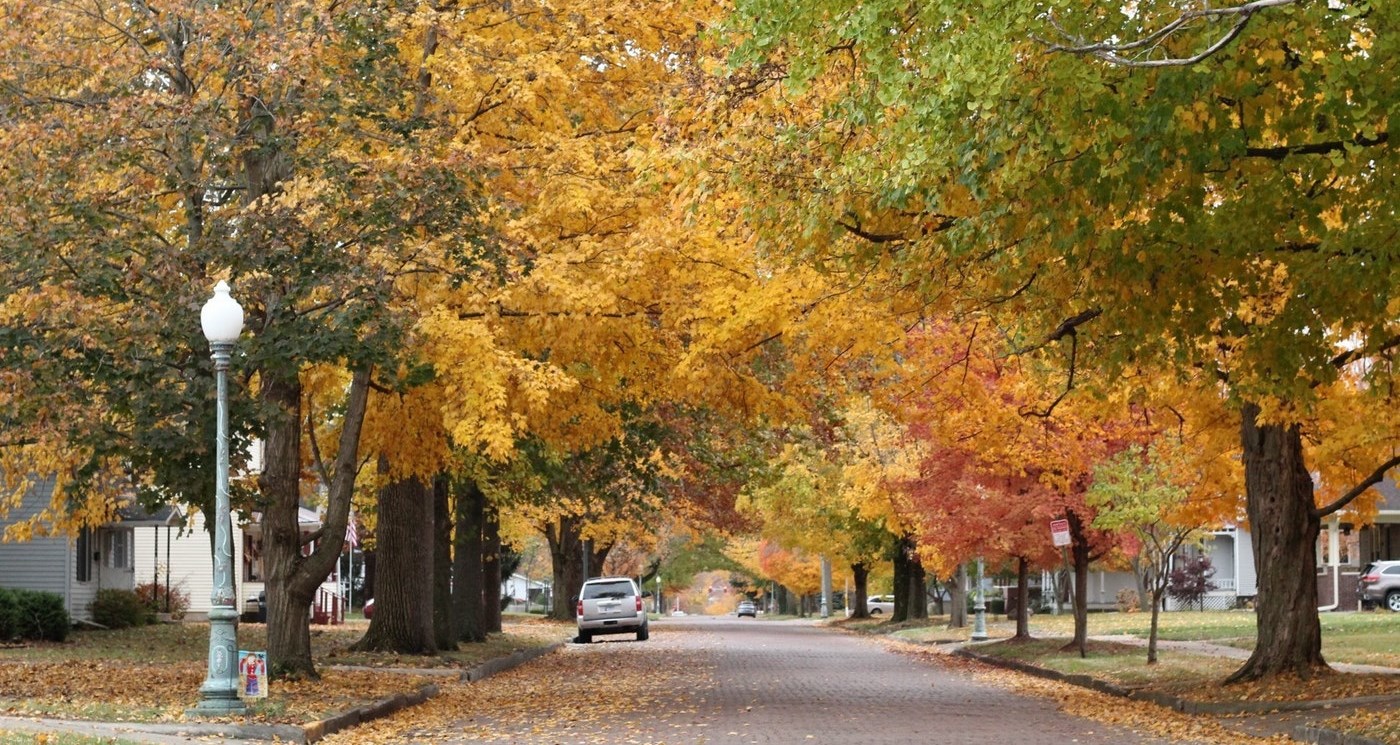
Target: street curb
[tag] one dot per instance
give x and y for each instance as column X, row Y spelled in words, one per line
column 377, row 710
column 1185, row 706
column 1323, row 736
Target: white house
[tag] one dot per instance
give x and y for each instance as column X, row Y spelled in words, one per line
column 525, row 592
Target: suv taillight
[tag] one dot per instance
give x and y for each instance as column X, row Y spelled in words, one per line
column 580, row 608
column 1371, row 579
column 639, row 603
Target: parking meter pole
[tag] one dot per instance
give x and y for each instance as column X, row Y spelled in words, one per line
column 979, row 628
column 826, row 587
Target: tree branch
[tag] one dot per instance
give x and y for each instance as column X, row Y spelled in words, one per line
column 1356, row 491
column 1112, row 52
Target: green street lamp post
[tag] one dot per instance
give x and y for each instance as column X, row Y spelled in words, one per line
column 222, row 321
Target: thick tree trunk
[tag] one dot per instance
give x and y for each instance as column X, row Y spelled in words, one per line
column 1079, row 554
column 860, row 575
column 466, row 563
column 918, row 585
column 491, row 570
column 1023, row 600
column 444, row 626
column 370, row 561
column 403, row 612
column 294, row 577
column 565, row 547
column 903, row 546
column 957, row 614
column 1284, row 526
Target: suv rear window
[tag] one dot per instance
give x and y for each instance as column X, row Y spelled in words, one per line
column 1392, row 570
column 607, row 590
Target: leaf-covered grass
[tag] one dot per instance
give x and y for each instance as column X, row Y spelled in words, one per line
column 1185, row 674
column 1362, row 638
column 154, row 673
column 31, row 738
column 1378, row 724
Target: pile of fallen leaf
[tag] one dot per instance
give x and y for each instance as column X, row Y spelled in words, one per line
column 1327, row 687
column 124, row 691
column 1382, row 724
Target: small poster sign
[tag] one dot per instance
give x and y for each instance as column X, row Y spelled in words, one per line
column 1059, row 532
column 252, row 674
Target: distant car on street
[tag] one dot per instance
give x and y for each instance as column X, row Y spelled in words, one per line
column 1380, row 584
column 611, row 605
column 746, row 608
column 877, row 605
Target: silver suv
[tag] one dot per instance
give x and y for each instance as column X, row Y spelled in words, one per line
column 1380, row 583
column 611, row 605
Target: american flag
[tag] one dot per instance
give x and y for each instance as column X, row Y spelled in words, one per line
column 352, row 536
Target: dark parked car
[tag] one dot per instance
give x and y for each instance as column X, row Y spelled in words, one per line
column 369, row 608
column 1380, row 583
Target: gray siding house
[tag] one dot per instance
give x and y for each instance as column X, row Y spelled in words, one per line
column 72, row 567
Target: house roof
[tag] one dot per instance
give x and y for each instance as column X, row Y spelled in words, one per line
column 136, row 516
column 1390, row 495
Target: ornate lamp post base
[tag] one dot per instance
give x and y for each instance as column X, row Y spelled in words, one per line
column 218, row 696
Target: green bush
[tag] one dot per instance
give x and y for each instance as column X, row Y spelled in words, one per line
column 9, row 616
column 34, row 615
column 153, row 596
column 120, row 609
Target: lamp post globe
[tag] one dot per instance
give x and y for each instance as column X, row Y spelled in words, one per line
column 222, row 321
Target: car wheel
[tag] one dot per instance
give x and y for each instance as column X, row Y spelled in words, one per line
column 875, row 611
column 584, row 637
column 644, row 634
column 1392, row 600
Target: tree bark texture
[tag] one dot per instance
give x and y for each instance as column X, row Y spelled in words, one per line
column 860, row 577
column 444, row 625
column 491, row 570
column 1079, row 555
column 565, row 547
column 466, row 562
column 1285, row 525
column 957, row 614
column 902, row 546
column 403, row 612
column 294, row 578
column 1023, row 599
column 918, row 584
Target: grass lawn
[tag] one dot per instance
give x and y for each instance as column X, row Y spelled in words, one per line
column 154, row 673
column 1370, row 638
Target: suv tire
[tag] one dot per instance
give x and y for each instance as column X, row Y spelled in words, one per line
column 1392, row 600
column 644, row 634
column 875, row 611
column 584, row 637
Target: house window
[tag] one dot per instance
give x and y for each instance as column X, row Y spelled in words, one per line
column 84, row 556
column 118, row 553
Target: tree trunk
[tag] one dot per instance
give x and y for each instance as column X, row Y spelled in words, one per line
column 1079, row 554
column 1285, row 526
column 466, row 562
column 565, row 547
column 293, row 578
column 1140, row 579
column 491, row 570
column 902, row 547
column 860, row 574
column 1157, row 589
column 957, row 614
column 444, row 626
column 918, row 585
column 403, row 612
column 1023, row 600
column 370, row 560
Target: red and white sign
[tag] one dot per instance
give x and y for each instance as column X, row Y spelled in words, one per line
column 1059, row 532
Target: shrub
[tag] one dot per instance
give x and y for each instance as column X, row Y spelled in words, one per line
column 153, row 596
column 1128, row 601
column 120, row 609
column 1190, row 580
column 9, row 616
column 39, row 615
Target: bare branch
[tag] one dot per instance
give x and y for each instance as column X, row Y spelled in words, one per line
column 1114, row 52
